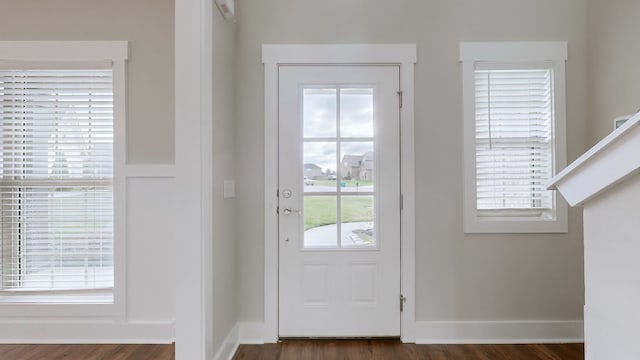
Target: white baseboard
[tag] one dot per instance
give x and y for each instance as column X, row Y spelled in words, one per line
column 251, row 333
column 498, row 332
column 86, row 333
column 229, row 345
column 466, row 332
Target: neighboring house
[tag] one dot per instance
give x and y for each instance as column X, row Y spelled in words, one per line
column 358, row 167
column 366, row 166
column 313, row 171
column 351, row 166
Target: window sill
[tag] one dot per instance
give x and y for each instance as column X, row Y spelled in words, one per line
column 56, row 299
column 31, row 311
column 474, row 224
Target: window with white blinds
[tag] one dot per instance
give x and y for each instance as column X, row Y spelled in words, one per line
column 56, row 179
column 514, row 136
column 514, row 140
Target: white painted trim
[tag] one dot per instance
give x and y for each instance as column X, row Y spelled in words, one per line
column 408, row 215
column 208, row 237
column 271, row 203
column 194, row 162
column 229, row 345
column 466, row 332
column 499, row 332
column 64, row 50
column 86, row 332
column 34, row 312
column 338, row 53
column 609, row 162
column 403, row 55
column 252, row 333
column 120, row 189
column 513, row 51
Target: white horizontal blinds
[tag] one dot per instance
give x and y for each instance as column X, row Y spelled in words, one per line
column 56, row 179
column 514, row 139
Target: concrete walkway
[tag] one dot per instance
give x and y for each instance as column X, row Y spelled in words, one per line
column 326, row 236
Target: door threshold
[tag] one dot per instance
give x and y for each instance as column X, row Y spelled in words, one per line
column 340, row 338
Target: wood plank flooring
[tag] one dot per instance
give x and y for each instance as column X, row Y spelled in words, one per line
column 87, row 352
column 395, row 350
column 305, row 349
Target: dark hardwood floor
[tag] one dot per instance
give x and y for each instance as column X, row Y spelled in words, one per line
column 305, row 349
column 87, row 352
column 387, row 349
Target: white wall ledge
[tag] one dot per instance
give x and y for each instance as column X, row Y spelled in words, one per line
column 611, row 161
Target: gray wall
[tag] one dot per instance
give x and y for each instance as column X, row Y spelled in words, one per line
column 147, row 25
column 459, row 277
column 614, row 55
column 224, row 244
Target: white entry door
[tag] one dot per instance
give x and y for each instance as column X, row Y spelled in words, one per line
column 339, row 201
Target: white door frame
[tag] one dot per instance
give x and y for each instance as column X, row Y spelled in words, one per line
column 273, row 56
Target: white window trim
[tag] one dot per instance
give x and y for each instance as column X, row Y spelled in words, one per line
column 90, row 51
column 274, row 55
column 512, row 52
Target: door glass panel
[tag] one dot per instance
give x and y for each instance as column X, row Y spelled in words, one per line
column 357, row 214
column 319, row 114
column 338, row 168
column 320, row 221
column 319, row 167
column 357, row 166
column 356, row 112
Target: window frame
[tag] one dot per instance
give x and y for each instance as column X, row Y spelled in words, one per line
column 65, row 53
column 516, row 53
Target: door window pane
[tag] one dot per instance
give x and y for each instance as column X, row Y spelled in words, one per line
column 356, row 112
column 319, row 167
column 357, row 166
column 320, row 221
column 319, row 114
column 357, row 214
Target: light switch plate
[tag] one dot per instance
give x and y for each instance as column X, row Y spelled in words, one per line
column 229, row 189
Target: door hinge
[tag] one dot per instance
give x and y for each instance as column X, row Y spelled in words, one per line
column 278, row 210
column 402, row 301
column 400, row 99
column 401, row 202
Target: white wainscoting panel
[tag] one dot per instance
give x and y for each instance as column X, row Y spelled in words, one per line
column 150, row 249
column 147, row 313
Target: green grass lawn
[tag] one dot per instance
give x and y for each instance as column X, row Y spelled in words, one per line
column 322, row 210
column 348, row 183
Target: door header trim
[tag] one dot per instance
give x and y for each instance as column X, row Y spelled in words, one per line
column 338, row 54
